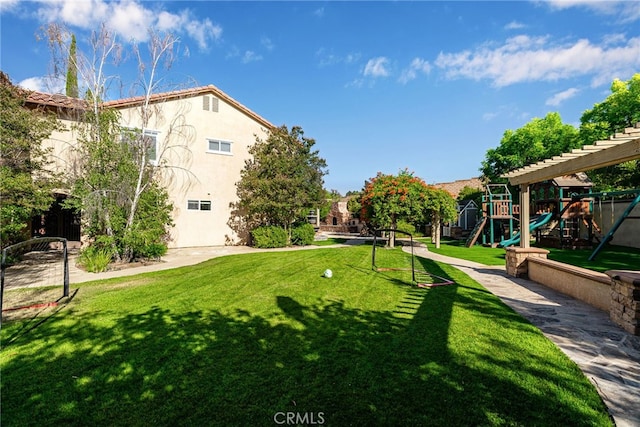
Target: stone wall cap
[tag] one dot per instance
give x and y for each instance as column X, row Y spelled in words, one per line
column 626, row 276
column 518, row 249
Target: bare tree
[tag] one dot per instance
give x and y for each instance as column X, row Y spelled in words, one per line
column 115, row 174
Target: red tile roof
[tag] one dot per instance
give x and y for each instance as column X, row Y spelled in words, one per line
column 189, row 93
column 55, row 100
column 66, row 102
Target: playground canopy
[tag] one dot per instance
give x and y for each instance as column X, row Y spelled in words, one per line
column 621, row 147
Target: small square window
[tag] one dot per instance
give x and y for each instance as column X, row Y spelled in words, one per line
column 199, row 205
column 217, row 146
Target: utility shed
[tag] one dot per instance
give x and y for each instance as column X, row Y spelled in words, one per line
column 467, row 214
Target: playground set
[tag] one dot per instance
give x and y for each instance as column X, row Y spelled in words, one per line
column 564, row 216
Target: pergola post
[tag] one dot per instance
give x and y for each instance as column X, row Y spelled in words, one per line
column 525, row 234
column 516, row 257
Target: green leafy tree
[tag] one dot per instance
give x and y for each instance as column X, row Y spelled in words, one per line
column 389, row 199
column 354, row 205
column 537, row 140
column 105, row 188
column 282, row 181
column 621, row 109
column 26, row 183
column 441, row 207
column 72, row 70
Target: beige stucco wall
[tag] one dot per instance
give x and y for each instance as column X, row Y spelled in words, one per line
column 191, row 172
column 185, row 165
column 62, row 144
column 585, row 285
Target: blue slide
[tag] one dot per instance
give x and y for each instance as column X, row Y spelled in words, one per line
column 538, row 222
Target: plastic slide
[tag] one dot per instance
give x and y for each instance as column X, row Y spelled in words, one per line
column 541, row 220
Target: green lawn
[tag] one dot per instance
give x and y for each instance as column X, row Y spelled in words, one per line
column 477, row 253
column 329, row 241
column 610, row 258
column 236, row 340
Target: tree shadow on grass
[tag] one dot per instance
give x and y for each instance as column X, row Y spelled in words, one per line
column 356, row 367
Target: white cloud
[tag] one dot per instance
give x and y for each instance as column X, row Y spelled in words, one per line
column 130, row 19
column 560, row 97
column 514, row 25
column 327, row 57
column 250, row 56
column 43, row 84
column 357, row 83
column 267, row 43
column 377, row 67
column 623, row 10
column 352, row 58
column 8, row 5
column 319, row 12
column 203, row 32
column 489, row 116
column 525, row 59
column 418, row 65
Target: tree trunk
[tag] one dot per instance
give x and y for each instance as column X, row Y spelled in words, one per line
column 436, row 229
column 392, row 235
column 109, row 231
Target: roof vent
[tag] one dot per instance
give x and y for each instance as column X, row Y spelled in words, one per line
column 209, row 103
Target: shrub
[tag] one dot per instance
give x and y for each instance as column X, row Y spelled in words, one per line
column 406, row 227
column 269, row 236
column 303, row 234
column 145, row 245
column 95, row 259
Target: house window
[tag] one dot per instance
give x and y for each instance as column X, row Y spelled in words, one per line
column 149, row 141
column 218, row 146
column 199, row 205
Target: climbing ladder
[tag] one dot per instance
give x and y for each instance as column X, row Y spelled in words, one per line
column 475, row 233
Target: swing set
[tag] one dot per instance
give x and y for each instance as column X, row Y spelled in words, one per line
column 616, row 223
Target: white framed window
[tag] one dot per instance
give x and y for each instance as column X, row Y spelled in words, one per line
column 199, row 205
column 219, row 147
column 149, row 140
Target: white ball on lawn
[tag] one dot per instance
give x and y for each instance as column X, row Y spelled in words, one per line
column 328, row 273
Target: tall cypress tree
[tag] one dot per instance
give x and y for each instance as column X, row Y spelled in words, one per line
column 72, row 70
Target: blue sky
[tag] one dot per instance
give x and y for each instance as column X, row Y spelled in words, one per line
column 381, row 86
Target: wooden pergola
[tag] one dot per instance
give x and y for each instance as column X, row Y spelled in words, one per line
column 620, row 148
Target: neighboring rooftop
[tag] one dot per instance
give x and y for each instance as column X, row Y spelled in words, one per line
column 455, row 187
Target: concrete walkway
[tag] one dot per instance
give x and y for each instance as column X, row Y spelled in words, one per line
column 608, row 355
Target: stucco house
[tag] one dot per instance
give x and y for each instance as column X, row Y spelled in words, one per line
column 201, row 137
